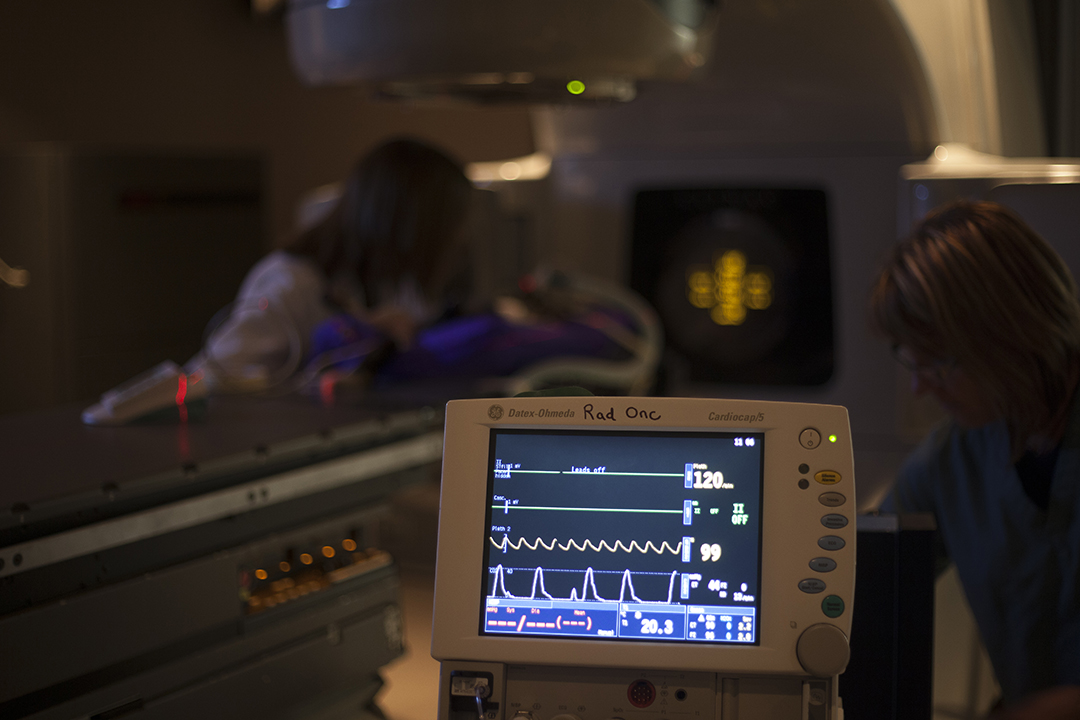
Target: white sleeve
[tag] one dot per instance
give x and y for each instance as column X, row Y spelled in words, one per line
column 265, row 337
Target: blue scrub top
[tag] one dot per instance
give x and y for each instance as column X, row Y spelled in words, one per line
column 1019, row 565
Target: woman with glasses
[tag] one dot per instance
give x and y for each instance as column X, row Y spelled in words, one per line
column 984, row 314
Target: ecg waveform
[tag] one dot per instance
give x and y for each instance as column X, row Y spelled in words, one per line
column 506, row 542
column 588, row 587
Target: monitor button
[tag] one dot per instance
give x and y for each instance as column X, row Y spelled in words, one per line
column 827, row 477
column 832, row 499
column 809, row 438
column 823, row 650
column 833, row 606
column 823, row 564
column 812, row 585
column 834, row 521
column 831, row 542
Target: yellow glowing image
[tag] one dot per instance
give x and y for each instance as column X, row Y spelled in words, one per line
column 730, row 289
column 575, row 87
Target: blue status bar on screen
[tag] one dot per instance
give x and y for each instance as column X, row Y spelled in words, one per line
column 638, row 621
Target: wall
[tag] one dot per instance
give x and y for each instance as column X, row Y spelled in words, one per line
column 199, row 74
column 981, row 62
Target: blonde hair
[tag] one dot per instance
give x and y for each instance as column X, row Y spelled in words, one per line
column 975, row 285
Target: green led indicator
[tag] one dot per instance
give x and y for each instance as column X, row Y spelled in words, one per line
column 576, row 87
column 832, row 438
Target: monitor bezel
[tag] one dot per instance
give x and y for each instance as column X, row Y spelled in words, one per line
column 786, row 524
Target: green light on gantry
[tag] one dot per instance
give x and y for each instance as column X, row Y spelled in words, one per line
column 832, row 438
column 576, row 87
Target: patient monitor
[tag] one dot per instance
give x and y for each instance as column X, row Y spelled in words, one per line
column 618, row 558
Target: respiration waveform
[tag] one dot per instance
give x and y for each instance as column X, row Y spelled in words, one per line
column 588, row 587
column 506, row 542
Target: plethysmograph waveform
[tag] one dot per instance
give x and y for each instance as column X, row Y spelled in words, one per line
column 588, row 587
column 587, row 545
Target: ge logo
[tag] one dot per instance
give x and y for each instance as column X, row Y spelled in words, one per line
column 495, row 412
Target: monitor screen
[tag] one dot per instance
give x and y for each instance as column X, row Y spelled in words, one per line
column 624, row 535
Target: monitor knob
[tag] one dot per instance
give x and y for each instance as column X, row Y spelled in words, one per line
column 823, row 650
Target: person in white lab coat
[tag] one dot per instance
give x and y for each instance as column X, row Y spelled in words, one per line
column 391, row 252
column 985, row 315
